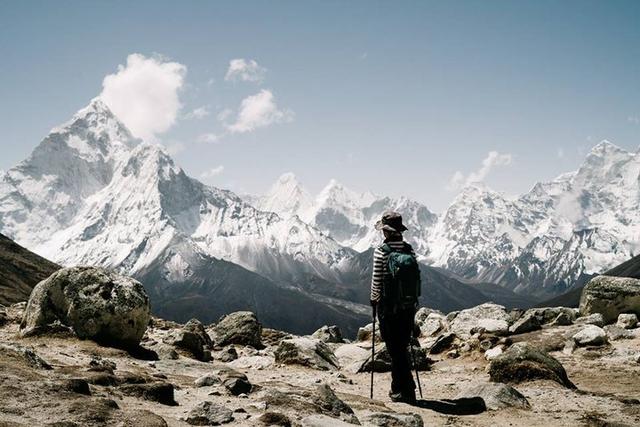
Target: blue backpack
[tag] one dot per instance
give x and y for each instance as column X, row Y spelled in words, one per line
column 402, row 287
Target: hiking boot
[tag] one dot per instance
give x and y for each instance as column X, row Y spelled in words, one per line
column 403, row 398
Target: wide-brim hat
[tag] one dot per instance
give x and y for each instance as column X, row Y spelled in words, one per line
column 391, row 221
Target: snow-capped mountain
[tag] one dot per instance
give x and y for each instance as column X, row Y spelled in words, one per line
column 540, row 243
column 543, row 242
column 345, row 215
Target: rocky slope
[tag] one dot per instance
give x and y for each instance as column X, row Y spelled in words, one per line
column 20, row 271
column 251, row 376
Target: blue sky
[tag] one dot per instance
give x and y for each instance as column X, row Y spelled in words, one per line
column 394, row 97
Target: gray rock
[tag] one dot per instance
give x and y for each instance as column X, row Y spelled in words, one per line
column 547, row 315
column 596, row 319
column 320, row 420
column 610, row 296
column 391, row 419
column 96, row 303
column 492, row 353
column 615, row 333
column 562, row 319
column 382, row 360
column 207, row 380
column 432, row 324
column 157, row 391
column 452, row 315
column 305, row 351
column 627, row 320
column 142, row 418
column 329, row 334
column 591, row 335
column 496, row 396
column 229, row 354
column 241, row 327
column 364, row 333
column 522, row 362
column 235, row 382
column 527, row 323
column 442, row 343
column 191, row 339
column 209, row 414
column 488, row 317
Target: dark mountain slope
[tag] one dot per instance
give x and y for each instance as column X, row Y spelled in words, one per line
column 20, row 271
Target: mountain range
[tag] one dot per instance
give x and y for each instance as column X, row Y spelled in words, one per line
column 539, row 244
column 91, row 193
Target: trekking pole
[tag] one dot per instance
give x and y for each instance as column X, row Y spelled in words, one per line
column 373, row 348
column 413, row 359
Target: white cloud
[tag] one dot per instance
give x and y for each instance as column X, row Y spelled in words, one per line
column 144, row 94
column 493, row 159
column 225, row 114
column 213, row 172
column 209, row 138
column 245, row 70
column 197, row 113
column 257, row 111
column 634, row 119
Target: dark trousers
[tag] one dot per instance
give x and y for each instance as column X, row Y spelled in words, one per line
column 396, row 328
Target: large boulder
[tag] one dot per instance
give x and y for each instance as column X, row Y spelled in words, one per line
column 522, row 362
column 527, row 323
column 209, row 414
column 305, row 351
column 610, row 296
column 96, row 303
column 240, row 327
column 550, row 314
column 490, row 318
column 382, row 360
column 596, row 319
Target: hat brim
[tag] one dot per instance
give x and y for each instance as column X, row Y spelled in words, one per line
column 380, row 226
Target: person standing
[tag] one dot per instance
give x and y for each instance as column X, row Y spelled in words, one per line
column 395, row 288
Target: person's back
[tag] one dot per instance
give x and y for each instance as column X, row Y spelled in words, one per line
column 396, row 315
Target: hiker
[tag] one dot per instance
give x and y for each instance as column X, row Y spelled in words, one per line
column 395, row 298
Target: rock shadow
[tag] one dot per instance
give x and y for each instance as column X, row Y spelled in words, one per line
column 462, row 406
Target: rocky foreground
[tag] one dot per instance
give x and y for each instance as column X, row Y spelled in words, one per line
column 482, row 366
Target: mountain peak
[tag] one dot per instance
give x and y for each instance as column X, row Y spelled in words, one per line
column 605, row 147
column 287, row 178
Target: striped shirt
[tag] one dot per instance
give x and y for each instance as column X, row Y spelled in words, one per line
column 381, row 267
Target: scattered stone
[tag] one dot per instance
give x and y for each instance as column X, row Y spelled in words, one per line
column 208, row 413
column 272, row 337
column 590, row 335
column 166, row 352
column 527, row 323
column 615, row 333
column 493, row 353
column 96, row 303
column 496, row 396
column 207, row 380
column 191, row 339
column 143, row 418
column 522, row 362
column 158, row 391
column 453, row 354
column 547, row 315
column 382, row 360
column 442, row 343
column 611, row 296
column 307, row 352
column 235, row 382
column 562, row 319
column 241, row 327
column 627, row 320
column 228, row 354
column 77, row 385
column 593, row 319
column 98, row 364
column 490, row 318
column 329, row 334
column 364, row 333
column 26, row 353
column 392, row 419
column 274, row 419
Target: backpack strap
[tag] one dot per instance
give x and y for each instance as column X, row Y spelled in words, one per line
column 386, row 249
